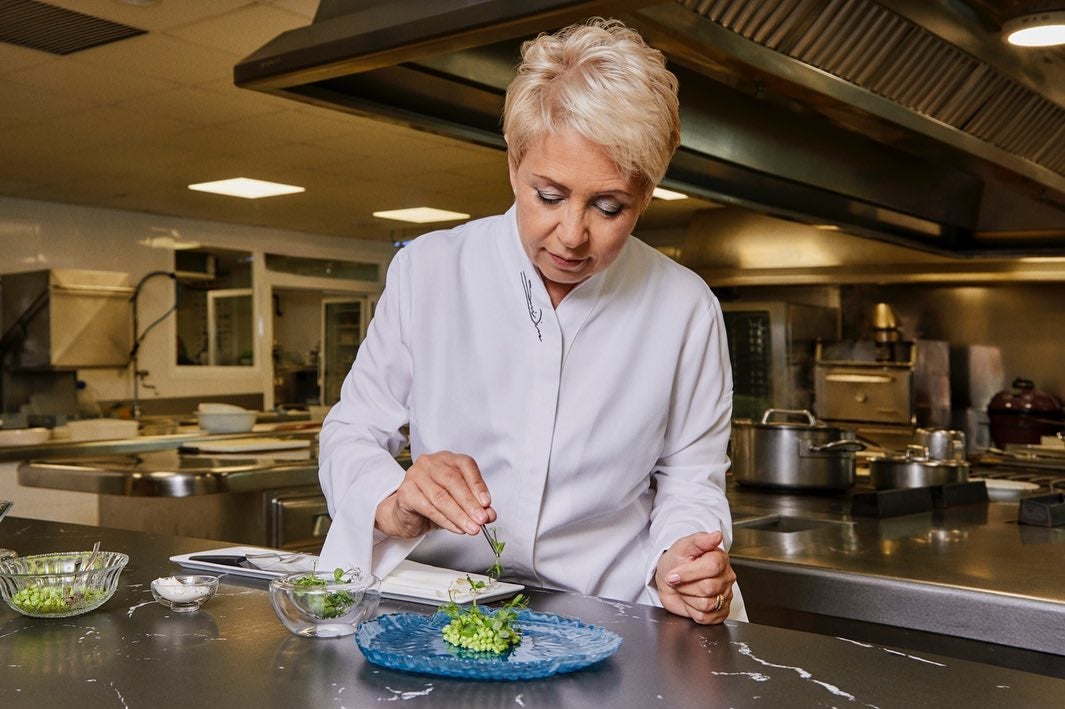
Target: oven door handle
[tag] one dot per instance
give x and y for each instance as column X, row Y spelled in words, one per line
column 860, row 378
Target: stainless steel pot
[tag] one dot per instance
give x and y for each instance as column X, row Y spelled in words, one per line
column 806, row 455
column 942, row 443
column 915, row 469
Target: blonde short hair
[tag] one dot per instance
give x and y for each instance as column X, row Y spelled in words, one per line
column 601, row 79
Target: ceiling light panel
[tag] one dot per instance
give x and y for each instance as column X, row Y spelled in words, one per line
column 246, row 187
column 421, row 215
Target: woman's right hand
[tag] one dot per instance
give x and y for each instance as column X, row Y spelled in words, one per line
column 441, row 489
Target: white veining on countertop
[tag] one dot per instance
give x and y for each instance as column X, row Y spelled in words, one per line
column 893, row 652
column 913, row 657
column 129, row 613
column 756, row 676
column 406, row 694
column 855, row 642
column 119, row 694
column 621, row 607
column 745, row 649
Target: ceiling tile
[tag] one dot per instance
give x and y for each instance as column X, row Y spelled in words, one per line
column 198, row 105
column 161, row 16
column 226, row 141
column 241, row 31
column 160, row 56
column 14, row 57
column 71, row 77
column 29, row 104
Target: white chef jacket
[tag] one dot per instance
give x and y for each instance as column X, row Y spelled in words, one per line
column 600, row 427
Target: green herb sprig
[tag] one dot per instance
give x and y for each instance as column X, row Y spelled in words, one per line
column 496, row 569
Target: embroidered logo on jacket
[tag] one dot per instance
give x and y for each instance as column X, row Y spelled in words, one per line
column 535, row 315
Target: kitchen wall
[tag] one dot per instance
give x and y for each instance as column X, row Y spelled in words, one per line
column 1026, row 321
column 41, row 235
column 1014, row 305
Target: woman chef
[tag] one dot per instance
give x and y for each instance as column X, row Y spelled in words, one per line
column 561, row 380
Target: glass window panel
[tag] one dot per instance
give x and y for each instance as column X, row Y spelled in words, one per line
column 214, row 308
column 323, row 268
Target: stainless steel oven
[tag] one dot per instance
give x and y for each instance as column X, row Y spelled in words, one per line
column 297, row 518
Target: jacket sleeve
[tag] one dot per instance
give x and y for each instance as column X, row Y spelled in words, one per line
column 364, row 431
column 689, row 477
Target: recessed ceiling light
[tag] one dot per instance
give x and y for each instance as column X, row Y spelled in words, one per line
column 1039, row 29
column 421, row 215
column 662, row 193
column 246, row 187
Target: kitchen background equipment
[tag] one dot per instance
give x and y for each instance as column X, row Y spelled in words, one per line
column 886, row 384
column 53, row 323
column 942, row 443
column 1024, row 414
column 781, row 452
column 771, row 349
column 915, row 469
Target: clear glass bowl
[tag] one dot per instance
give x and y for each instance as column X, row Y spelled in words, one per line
column 184, row 593
column 329, row 609
column 45, row 585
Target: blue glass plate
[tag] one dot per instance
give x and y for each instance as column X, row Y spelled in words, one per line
column 549, row 645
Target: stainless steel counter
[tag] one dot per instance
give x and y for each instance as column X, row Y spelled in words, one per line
column 969, row 571
column 159, row 466
column 169, row 473
column 141, row 444
column 234, row 652
column 164, row 484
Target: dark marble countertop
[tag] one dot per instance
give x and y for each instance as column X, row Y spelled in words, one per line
column 133, row 653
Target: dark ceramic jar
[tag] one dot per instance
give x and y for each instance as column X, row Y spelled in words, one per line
column 1023, row 415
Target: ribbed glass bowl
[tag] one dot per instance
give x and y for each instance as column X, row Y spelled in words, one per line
column 330, row 610
column 46, row 586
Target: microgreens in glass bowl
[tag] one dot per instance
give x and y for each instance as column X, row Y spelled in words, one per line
column 60, row 585
column 322, row 604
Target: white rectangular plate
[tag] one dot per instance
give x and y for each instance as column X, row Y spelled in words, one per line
column 410, row 581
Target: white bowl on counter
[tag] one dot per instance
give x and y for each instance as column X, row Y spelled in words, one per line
column 23, row 436
column 226, row 421
column 1009, row 490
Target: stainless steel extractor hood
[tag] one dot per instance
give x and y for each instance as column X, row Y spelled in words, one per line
column 65, row 319
column 902, row 120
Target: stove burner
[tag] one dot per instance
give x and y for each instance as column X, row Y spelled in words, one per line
column 905, row 501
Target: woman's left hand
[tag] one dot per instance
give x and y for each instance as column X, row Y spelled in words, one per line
column 695, row 578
